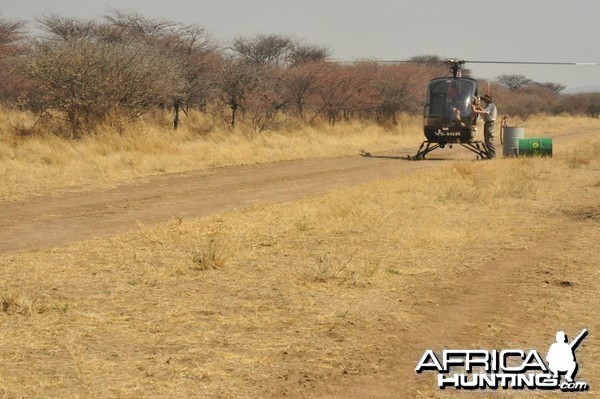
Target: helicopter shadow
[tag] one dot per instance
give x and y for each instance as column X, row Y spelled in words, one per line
column 366, row 154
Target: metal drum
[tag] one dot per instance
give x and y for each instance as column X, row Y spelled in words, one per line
column 535, row 147
column 511, row 136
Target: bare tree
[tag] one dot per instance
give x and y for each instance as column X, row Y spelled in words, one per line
column 189, row 47
column 276, row 49
column 266, row 99
column 527, row 100
column 300, row 84
column 138, row 25
column 287, row 67
column 553, row 87
column 264, row 49
column 580, row 104
column 12, row 35
column 394, row 87
column 436, row 62
column 427, row 59
column 65, row 28
column 514, row 82
column 235, row 81
column 193, row 50
column 345, row 90
column 303, row 53
column 82, row 78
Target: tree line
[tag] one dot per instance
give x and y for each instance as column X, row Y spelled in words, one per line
column 87, row 72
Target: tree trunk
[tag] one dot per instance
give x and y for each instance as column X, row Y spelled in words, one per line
column 233, row 112
column 177, row 107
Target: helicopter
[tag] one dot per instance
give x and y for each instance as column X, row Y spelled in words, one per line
column 448, row 113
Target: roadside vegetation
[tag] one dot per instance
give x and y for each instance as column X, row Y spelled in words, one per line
column 38, row 165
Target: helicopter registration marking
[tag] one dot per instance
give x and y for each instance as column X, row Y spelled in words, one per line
column 450, row 134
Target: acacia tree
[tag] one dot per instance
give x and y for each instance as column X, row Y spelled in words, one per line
column 527, row 100
column 198, row 59
column 580, row 104
column 400, row 88
column 287, row 70
column 83, row 72
column 514, row 82
column 305, row 65
column 234, row 81
column 263, row 49
column 265, row 98
column 301, row 85
column 306, row 53
column 520, row 96
column 593, row 105
column 12, row 34
column 345, row 90
column 187, row 47
column 374, row 90
column 553, row 87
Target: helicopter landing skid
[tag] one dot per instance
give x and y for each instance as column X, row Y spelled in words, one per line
column 478, row 147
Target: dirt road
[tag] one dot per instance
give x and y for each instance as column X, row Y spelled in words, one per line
column 60, row 218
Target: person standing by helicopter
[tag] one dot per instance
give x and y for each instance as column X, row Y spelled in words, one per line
column 489, row 113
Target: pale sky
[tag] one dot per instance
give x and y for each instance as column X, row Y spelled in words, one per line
column 507, row 30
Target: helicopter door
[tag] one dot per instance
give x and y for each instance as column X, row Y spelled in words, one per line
column 450, row 99
column 448, row 110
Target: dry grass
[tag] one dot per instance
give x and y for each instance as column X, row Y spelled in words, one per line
column 21, row 303
column 34, row 165
column 551, row 126
column 299, row 298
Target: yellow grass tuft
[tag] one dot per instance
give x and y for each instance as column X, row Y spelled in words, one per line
column 211, row 257
column 579, row 156
column 16, row 302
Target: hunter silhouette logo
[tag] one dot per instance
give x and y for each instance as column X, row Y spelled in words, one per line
column 561, row 355
column 508, row 368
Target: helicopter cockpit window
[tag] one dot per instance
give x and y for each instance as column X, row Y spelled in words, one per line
column 451, row 98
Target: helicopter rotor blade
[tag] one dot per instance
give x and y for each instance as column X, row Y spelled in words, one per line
column 456, row 64
column 445, row 61
column 533, row 63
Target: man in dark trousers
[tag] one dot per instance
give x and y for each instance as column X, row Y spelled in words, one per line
column 489, row 113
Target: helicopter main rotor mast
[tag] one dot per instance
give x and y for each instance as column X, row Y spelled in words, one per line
column 456, row 67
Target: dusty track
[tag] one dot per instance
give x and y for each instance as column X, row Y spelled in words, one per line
column 59, row 219
column 62, row 217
